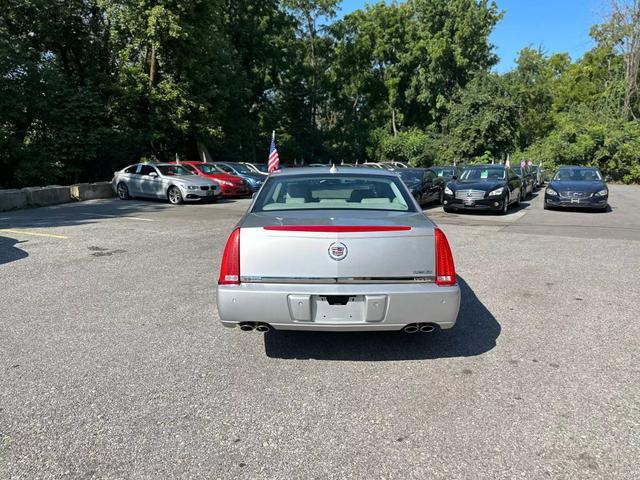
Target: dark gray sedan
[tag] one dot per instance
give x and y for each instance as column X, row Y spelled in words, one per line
column 577, row 187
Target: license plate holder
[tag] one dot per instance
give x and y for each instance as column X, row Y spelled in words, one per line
column 470, row 202
column 575, row 200
column 350, row 312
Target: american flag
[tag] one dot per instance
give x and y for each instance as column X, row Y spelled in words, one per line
column 274, row 159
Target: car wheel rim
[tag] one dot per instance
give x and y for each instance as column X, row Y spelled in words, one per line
column 173, row 196
column 122, row 191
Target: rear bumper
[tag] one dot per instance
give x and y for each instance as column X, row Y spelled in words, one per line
column 373, row 306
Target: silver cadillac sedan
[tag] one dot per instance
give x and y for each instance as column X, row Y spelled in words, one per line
column 324, row 249
column 164, row 180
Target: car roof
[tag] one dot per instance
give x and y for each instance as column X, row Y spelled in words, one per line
column 327, row 170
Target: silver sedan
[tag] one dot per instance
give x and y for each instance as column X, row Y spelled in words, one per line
column 324, row 249
column 164, row 180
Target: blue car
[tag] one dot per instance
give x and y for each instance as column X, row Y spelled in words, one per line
column 253, row 179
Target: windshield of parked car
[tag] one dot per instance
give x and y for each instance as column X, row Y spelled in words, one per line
column 578, row 174
column 173, row 170
column 238, row 167
column 261, row 166
column 444, row 172
column 334, row 192
column 209, row 168
column 482, row 174
column 410, row 177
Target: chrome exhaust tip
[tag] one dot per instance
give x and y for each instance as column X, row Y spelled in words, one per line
column 247, row 326
column 263, row 327
column 411, row 328
column 426, row 328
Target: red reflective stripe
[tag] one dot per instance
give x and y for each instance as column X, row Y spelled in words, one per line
column 337, row 228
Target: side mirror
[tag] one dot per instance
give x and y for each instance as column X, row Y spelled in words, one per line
column 153, row 174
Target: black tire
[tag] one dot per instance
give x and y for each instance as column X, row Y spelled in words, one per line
column 505, row 205
column 447, row 209
column 546, row 207
column 123, row 191
column 174, row 196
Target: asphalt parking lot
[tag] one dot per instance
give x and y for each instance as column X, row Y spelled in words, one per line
column 113, row 363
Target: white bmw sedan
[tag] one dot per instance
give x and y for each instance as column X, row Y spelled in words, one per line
column 323, row 249
column 164, row 180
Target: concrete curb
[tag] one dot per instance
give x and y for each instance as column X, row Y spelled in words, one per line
column 91, row 191
column 53, row 195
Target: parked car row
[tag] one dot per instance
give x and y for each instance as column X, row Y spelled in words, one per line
column 188, row 181
column 455, row 187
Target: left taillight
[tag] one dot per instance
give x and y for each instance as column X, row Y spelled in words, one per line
column 230, row 266
column 445, row 269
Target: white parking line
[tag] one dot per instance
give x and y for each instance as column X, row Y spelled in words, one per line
column 35, row 234
column 116, row 216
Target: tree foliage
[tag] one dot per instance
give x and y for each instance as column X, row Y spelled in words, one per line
column 88, row 86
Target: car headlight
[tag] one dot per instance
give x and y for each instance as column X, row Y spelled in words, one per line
column 224, row 182
column 448, row 191
column 191, row 187
column 496, row 192
column 602, row 193
column 552, row 192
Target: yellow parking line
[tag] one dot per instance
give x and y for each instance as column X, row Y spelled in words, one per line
column 22, row 232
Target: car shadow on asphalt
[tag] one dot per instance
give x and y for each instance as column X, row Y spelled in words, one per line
column 475, row 333
column 9, row 252
column 78, row 213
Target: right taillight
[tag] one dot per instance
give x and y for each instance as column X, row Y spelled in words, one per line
column 445, row 269
column 230, row 266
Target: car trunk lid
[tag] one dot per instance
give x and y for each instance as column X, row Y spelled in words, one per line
column 336, row 246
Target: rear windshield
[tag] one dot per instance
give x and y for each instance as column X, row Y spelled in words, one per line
column 578, row 174
column 332, row 192
column 411, row 176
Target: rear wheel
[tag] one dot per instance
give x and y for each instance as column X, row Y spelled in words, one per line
column 123, row 191
column 447, row 209
column 174, row 196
